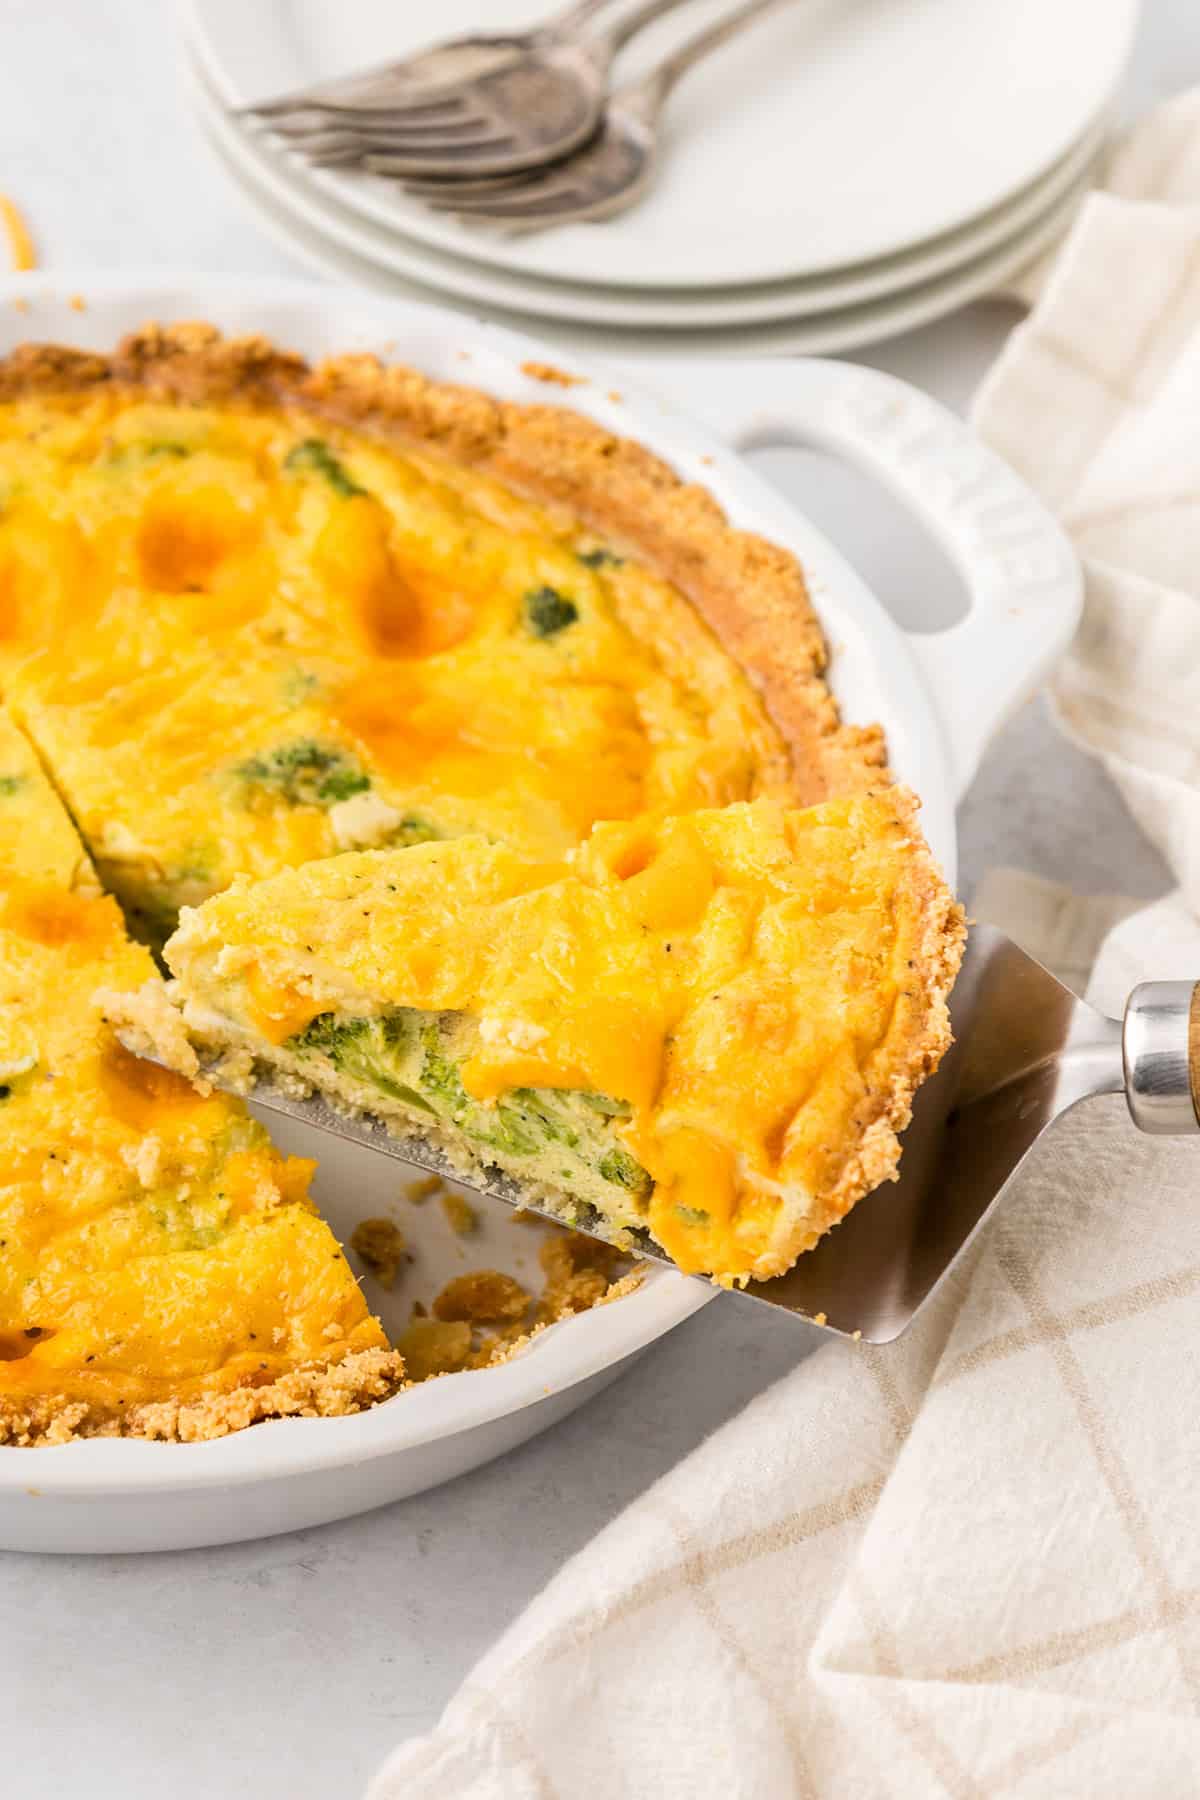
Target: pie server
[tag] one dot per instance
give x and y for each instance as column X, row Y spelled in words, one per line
column 1026, row 1051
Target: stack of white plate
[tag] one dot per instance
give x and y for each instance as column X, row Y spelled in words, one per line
column 845, row 170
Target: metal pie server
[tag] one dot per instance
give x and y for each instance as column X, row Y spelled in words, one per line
column 1026, row 1051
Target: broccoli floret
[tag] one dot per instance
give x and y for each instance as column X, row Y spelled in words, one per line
column 506, row 1128
column 603, row 1103
column 625, row 1171
column 305, row 774
column 412, row 829
column 548, row 612
column 600, row 559
column 363, row 1049
column 439, row 1075
column 324, row 1033
column 314, row 457
column 538, row 1110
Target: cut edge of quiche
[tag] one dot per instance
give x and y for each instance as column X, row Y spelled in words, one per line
column 708, row 1028
column 163, row 1273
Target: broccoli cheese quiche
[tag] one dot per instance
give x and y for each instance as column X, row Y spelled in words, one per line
column 707, row 1026
column 503, row 775
column 254, row 614
column 162, row 1273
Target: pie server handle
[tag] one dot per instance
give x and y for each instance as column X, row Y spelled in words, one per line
column 1020, row 572
column 1161, row 1053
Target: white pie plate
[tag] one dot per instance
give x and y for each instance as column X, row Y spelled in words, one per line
column 940, row 697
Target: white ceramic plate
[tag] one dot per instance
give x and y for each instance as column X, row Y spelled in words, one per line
column 938, row 696
column 286, row 181
column 832, row 134
column 840, row 330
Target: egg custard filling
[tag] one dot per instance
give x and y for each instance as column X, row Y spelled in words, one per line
column 495, row 777
column 706, row 1027
column 162, row 1271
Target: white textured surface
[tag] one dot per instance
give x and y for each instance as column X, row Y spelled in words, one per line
column 283, row 1670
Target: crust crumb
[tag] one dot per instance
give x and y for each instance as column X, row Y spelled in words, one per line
column 461, row 1214
column 381, row 1246
column 435, row 1347
column 484, row 1297
column 418, row 1192
column 542, row 371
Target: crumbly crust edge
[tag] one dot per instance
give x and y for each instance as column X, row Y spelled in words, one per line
column 750, row 592
column 315, row 1390
column 915, row 1044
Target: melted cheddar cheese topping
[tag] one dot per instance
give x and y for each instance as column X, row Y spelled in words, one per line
column 243, row 639
column 154, row 1247
column 736, row 985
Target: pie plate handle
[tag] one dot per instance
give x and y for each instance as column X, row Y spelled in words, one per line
column 1022, row 577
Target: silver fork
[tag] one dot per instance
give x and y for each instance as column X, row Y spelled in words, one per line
column 441, row 66
column 606, row 176
column 524, row 101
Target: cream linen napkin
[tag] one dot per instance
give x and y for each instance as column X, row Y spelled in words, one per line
column 967, row 1565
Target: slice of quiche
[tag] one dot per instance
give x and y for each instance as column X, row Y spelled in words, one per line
column 162, row 1272
column 254, row 613
column 709, row 1027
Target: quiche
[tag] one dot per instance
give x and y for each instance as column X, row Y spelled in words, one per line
column 279, row 632
column 706, row 1026
column 162, row 1273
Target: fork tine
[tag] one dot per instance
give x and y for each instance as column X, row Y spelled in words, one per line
column 341, row 158
column 319, row 145
column 439, row 102
column 394, row 84
column 308, row 100
column 429, row 159
column 460, row 131
column 469, row 129
column 436, row 71
column 442, row 109
column 305, row 124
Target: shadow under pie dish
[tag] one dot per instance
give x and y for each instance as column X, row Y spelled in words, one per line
column 256, row 615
